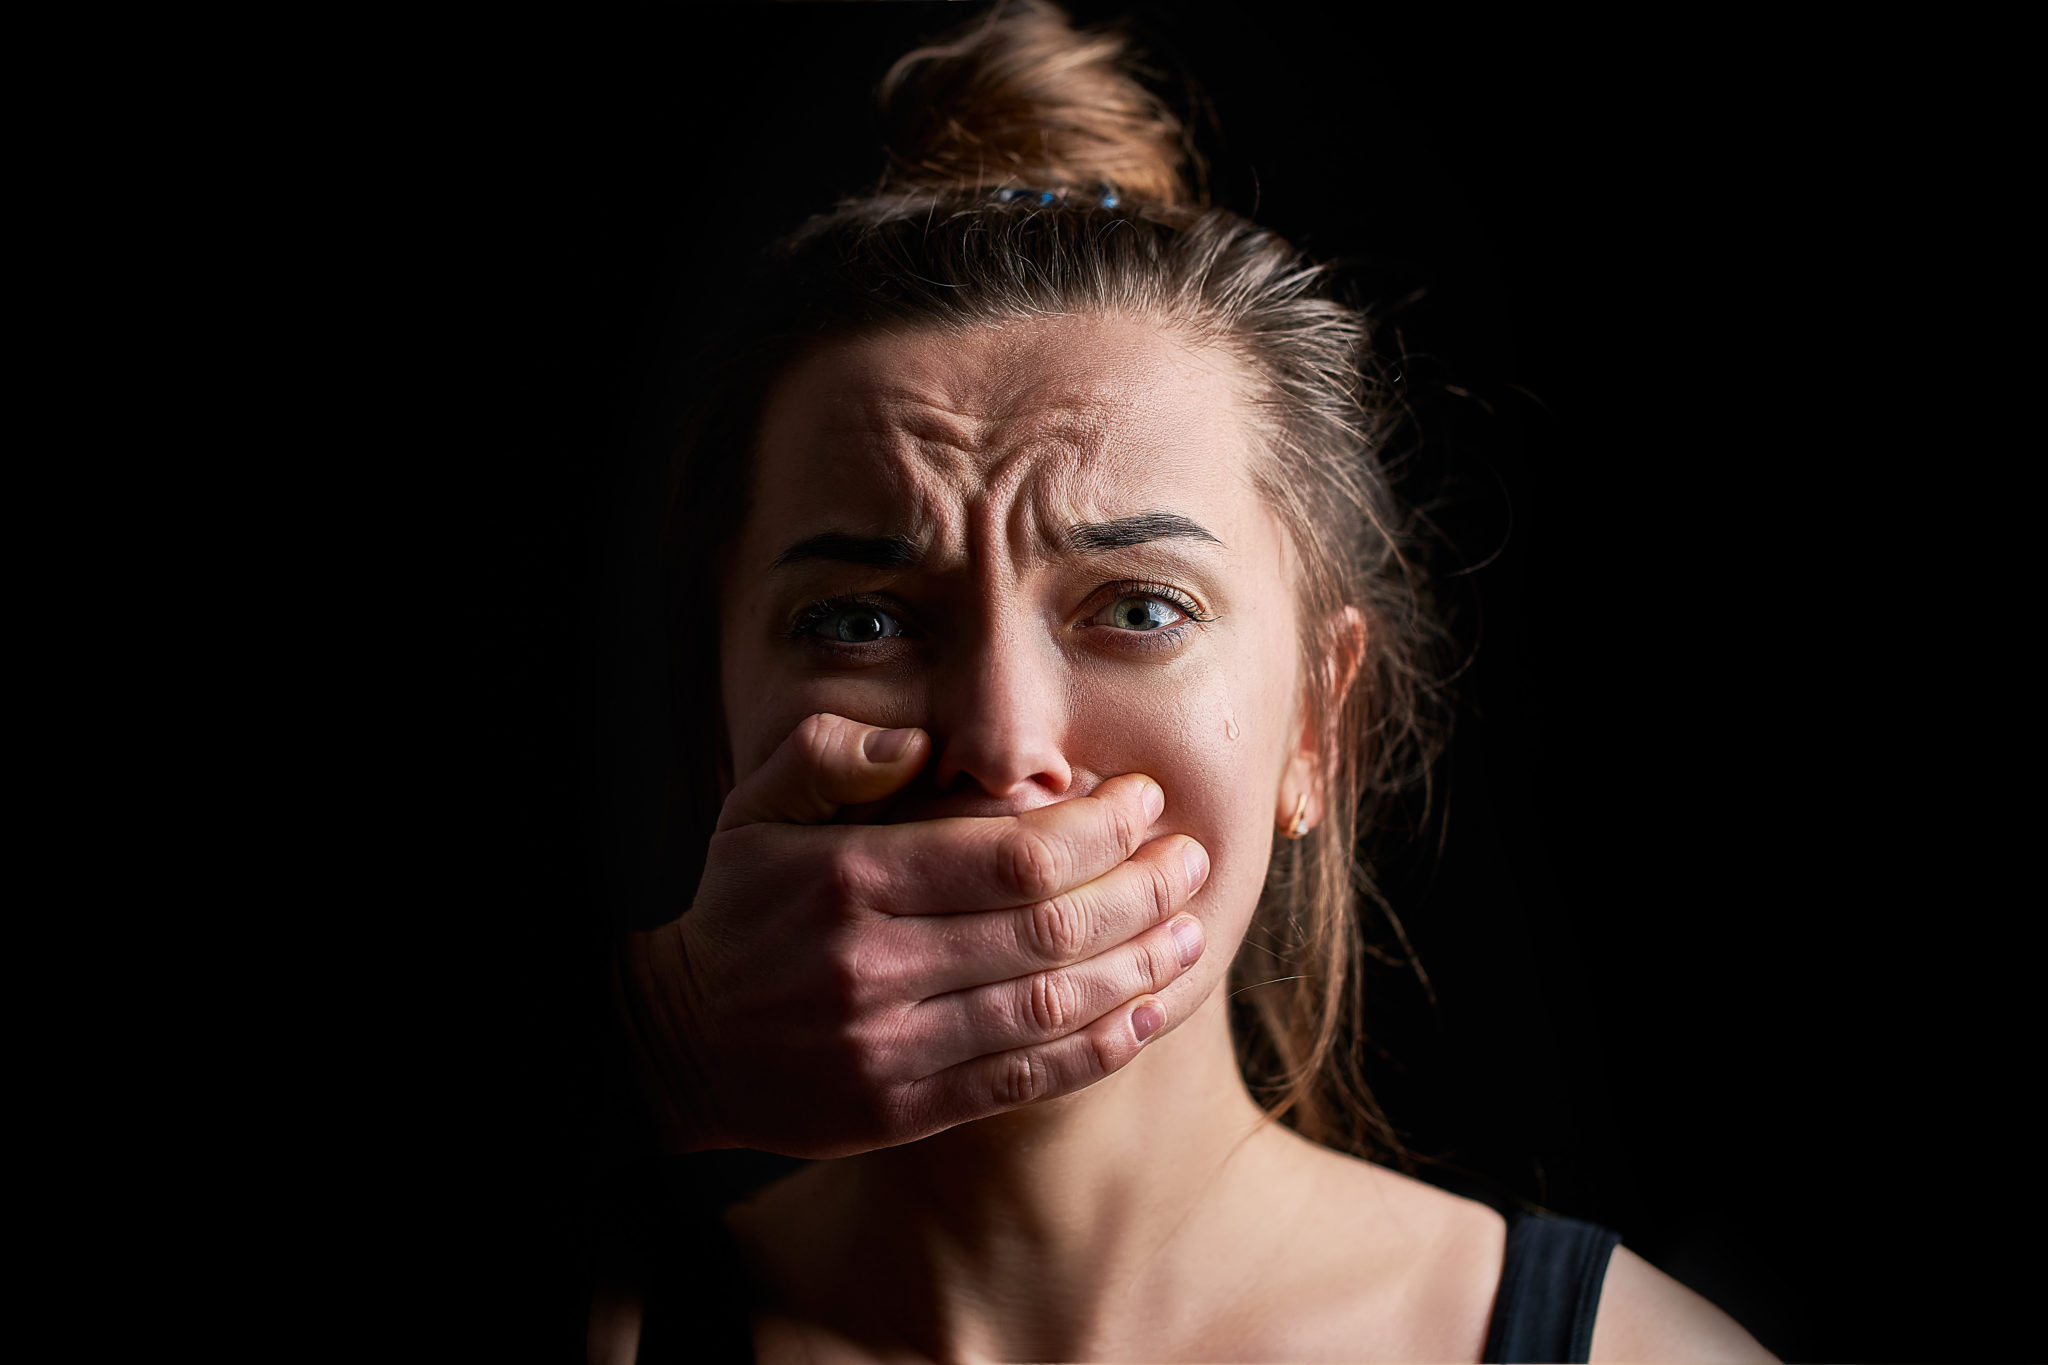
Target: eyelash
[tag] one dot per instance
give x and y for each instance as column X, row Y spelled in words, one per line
column 811, row 617
column 1173, row 597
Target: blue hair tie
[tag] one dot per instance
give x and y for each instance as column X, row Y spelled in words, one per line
column 1105, row 196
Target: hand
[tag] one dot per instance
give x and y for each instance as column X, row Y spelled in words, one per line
column 838, row 988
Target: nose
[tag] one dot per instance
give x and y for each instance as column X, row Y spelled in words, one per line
column 999, row 714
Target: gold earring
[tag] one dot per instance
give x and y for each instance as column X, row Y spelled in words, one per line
column 1299, row 825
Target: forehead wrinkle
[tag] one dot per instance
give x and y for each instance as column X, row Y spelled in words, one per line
column 974, row 451
column 985, row 391
column 915, row 429
column 1020, row 434
column 1017, row 462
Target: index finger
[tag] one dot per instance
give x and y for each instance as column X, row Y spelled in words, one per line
column 998, row 862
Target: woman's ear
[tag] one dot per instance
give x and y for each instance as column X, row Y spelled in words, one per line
column 1300, row 807
column 1347, row 654
column 1304, row 783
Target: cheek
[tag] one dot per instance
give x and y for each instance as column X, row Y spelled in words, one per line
column 764, row 704
column 760, row 708
column 766, row 693
column 1215, row 736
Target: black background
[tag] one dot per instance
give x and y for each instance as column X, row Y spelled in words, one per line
column 1718, row 954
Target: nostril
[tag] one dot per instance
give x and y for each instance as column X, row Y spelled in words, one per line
column 1005, row 767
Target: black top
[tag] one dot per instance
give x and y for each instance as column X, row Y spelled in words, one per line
column 1549, row 1290
column 1550, row 1280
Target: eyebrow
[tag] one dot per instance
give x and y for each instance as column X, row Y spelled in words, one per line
column 900, row 552
column 881, row 552
column 1126, row 531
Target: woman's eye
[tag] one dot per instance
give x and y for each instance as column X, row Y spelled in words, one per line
column 853, row 623
column 1138, row 612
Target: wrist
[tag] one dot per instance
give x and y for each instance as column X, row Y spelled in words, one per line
column 655, row 994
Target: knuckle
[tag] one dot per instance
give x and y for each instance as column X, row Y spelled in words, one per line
column 1020, row 1078
column 831, row 743
column 862, row 969
column 852, row 879
column 871, row 1052
column 820, row 734
column 1102, row 1055
column 877, row 969
column 842, row 881
column 1124, row 828
column 845, row 983
column 1165, row 891
column 1028, row 864
column 1057, row 929
column 1162, row 962
column 1052, row 1003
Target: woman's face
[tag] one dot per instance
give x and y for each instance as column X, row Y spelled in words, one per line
column 1041, row 543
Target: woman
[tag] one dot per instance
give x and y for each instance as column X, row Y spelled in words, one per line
column 1063, row 642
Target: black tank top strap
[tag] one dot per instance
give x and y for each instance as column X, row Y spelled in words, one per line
column 1549, row 1289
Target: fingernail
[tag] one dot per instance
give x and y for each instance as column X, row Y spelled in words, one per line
column 1155, row 799
column 1197, row 859
column 1187, row 937
column 1145, row 1021
column 886, row 746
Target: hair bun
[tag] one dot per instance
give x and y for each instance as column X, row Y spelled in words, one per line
column 1023, row 99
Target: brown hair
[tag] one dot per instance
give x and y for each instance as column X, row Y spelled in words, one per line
column 1030, row 175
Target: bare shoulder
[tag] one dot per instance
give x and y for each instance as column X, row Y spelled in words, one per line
column 1375, row 1195
column 1645, row 1315
column 1383, row 1266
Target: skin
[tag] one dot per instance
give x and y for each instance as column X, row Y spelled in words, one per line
column 1153, row 1214
column 987, row 473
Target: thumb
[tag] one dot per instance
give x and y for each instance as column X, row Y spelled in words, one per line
column 827, row 762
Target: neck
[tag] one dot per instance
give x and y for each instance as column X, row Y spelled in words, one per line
column 1050, row 1231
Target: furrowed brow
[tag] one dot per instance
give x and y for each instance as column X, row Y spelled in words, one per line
column 1135, row 530
column 881, row 552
